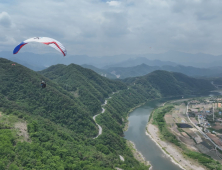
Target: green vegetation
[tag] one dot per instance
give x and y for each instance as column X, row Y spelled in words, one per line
column 158, row 119
column 100, row 71
column 143, row 69
column 20, row 89
column 171, row 84
column 60, row 125
column 90, row 88
column 217, row 81
column 60, row 128
column 52, row 147
column 205, row 160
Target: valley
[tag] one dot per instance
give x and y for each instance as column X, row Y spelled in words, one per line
column 110, row 85
column 63, row 120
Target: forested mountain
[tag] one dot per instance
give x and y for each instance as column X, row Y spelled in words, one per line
column 21, row 86
column 169, row 83
column 60, row 125
column 217, row 81
column 60, row 128
column 132, row 62
column 101, row 72
column 84, row 84
column 143, row 69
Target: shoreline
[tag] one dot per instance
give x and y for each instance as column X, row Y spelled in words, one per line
column 165, row 152
column 138, row 155
column 126, row 126
column 170, row 150
column 147, row 133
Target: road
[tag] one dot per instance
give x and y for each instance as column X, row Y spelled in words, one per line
column 198, row 128
column 94, row 118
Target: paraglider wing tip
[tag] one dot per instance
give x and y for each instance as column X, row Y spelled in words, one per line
column 18, row 47
column 65, row 53
column 62, row 50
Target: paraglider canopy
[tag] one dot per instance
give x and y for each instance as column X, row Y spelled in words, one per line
column 45, row 40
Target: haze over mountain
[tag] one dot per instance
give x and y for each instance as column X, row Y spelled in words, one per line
column 140, row 60
column 40, row 61
column 101, row 72
column 143, row 69
column 173, row 58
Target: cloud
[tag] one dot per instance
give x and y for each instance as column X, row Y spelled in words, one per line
column 5, row 20
column 114, row 3
column 101, row 27
column 115, row 24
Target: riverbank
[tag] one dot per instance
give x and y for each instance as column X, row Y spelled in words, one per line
column 137, row 155
column 127, row 121
column 170, row 150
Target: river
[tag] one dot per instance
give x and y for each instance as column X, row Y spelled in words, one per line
column 138, row 120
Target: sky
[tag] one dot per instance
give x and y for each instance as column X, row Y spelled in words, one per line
column 105, row 28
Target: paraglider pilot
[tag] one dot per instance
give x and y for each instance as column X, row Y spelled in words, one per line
column 43, row 84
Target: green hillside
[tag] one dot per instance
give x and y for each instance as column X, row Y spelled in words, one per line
column 100, row 71
column 143, row 69
column 141, row 89
column 21, row 87
column 85, row 84
column 52, row 128
column 60, row 129
column 170, row 84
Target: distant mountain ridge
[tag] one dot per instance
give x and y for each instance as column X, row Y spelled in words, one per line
column 144, row 69
column 101, row 72
column 140, row 60
column 41, row 61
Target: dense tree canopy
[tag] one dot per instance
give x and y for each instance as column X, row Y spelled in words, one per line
column 59, row 118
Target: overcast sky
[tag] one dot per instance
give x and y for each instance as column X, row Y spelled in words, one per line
column 100, row 27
